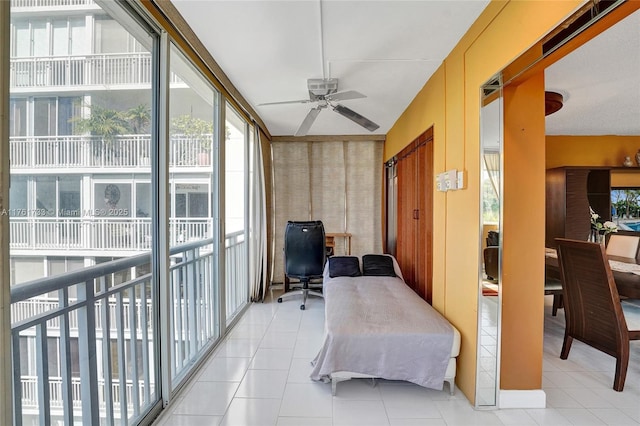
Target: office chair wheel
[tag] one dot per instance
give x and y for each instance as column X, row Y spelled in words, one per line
column 279, row 299
column 302, row 307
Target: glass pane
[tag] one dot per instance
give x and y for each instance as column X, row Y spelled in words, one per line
column 237, row 282
column 79, row 144
column 192, row 112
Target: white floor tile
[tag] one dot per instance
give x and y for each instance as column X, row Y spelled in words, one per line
column 260, row 376
column 237, row 348
column 305, row 421
column 417, row 422
column 515, row 417
column 612, row 416
column 207, row 399
column 307, row 400
column 300, row 371
column 580, row 416
column 184, row 420
column 353, row 412
column 252, row 412
column 272, row 359
column 263, row 384
column 279, row 340
column 224, row 370
column 410, row 401
column 548, row 417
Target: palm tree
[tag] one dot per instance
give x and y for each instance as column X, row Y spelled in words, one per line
column 139, row 118
column 104, row 122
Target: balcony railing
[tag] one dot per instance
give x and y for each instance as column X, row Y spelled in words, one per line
column 124, row 151
column 48, row 4
column 74, row 72
column 88, row 304
column 104, row 234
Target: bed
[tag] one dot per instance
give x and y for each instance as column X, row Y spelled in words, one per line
column 377, row 327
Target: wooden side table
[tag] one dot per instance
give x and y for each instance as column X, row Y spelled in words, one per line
column 330, row 241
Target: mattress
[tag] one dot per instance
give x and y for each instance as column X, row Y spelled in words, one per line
column 377, row 326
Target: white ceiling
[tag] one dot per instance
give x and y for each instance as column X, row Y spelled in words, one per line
column 384, row 49
column 600, row 83
column 387, row 50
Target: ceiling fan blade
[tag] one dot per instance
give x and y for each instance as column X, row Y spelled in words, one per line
column 307, row 122
column 355, row 117
column 301, row 101
column 343, row 96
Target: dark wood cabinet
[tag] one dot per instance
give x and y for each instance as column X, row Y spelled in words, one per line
column 570, row 191
column 415, row 214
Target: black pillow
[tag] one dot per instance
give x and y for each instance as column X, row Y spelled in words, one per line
column 378, row 265
column 344, row 266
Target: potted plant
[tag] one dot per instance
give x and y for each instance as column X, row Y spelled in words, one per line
column 139, row 118
column 104, row 122
column 199, row 134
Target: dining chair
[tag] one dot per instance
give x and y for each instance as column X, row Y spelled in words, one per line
column 623, row 245
column 592, row 308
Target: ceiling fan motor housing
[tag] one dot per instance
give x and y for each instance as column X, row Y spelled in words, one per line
column 320, row 87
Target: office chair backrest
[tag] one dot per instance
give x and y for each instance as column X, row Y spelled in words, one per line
column 304, row 250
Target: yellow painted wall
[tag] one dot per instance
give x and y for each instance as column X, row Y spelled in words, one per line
column 523, row 235
column 596, row 151
column 450, row 103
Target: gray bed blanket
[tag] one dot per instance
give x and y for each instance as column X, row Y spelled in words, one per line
column 380, row 327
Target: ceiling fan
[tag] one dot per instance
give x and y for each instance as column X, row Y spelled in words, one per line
column 325, row 93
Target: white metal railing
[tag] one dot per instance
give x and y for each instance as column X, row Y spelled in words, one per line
column 56, row 391
column 26, row 309
column 237, row 278
column 105, row 234
column 50, row 3
column 103, row 69
column 89, row 303
column 132, row 151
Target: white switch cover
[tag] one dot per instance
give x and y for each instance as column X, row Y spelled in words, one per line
column 461, row 179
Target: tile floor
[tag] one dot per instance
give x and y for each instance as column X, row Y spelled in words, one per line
column 259, row 376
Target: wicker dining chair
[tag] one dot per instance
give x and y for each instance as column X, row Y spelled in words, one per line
column 592, row 308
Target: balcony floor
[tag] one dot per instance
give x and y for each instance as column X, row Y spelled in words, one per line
column 260, row 376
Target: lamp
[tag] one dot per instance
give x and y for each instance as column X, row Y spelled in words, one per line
column 552, row 102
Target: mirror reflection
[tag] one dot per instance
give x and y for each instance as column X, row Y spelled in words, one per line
column 491, row 189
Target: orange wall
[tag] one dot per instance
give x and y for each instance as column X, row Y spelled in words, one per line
column 596, row 151
column 523, row 206
column 450, row 102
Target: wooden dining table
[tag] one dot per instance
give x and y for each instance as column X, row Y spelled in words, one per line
column 626, row 272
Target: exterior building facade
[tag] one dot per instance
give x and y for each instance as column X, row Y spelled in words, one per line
column 84, row 203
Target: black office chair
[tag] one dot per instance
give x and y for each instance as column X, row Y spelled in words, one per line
column 304, row 256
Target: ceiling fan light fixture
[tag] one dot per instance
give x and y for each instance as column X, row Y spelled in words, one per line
column 553, row 102
column 322, row 86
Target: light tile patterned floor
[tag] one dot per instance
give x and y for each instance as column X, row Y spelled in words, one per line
column 260, row 376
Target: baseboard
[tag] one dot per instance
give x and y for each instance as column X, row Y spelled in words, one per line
column 535, row 398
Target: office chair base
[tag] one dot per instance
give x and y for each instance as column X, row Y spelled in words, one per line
column 303, row 292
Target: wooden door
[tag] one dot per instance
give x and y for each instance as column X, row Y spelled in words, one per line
column 415, row 214
column 406, row 243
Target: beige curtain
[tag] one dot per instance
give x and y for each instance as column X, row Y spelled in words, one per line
column 339, row 183
column 492, row 166
column 257, row 222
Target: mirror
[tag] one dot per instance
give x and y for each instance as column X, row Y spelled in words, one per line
column 487, row 379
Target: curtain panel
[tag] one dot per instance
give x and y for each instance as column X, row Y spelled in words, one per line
column 339, row 183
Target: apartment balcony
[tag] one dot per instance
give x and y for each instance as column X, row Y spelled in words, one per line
column 100, row 234
column 49, row 5
column 83, row 72
column 93, row 152
column 90, row 335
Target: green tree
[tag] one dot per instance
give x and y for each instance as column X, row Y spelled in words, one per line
column 139, row 118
